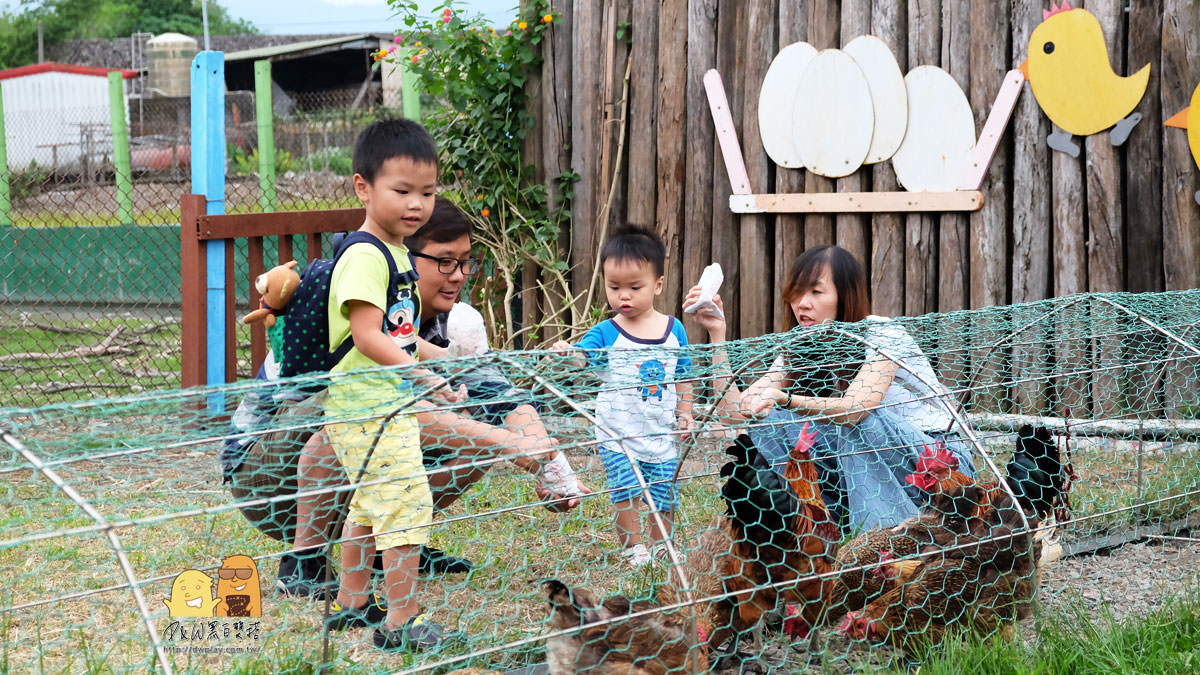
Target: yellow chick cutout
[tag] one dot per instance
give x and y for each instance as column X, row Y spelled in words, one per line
column 1189, row 119
column 1070, row 73
column 192, row 595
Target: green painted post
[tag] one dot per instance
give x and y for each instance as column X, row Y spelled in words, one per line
column 410, row 97
column 5, row 196
column 120, row 134
column 265, row 112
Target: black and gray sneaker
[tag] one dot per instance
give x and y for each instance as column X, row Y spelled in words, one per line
column 374, row 613
column 418, row 634
column 433, row 561
column 302, row 575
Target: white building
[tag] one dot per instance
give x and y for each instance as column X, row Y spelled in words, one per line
column 54, row 113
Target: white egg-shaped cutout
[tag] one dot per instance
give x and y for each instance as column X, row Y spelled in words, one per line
column 833, row 118
column 776, row 99
column 889, row 98
column 940, row 135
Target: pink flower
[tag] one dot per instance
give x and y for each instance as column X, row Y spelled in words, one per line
column 446, row 19
column 508, row 33
column 399, row 39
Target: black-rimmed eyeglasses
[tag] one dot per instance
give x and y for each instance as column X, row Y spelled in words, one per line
column 447, row 266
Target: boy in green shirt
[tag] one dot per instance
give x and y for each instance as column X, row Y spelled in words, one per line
column 395, row 164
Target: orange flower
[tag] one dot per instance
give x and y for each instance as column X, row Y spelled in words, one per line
column 547, row 19
column 485, row 213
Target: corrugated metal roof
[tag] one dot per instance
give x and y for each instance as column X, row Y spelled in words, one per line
column 52, row 67
column 300, row 48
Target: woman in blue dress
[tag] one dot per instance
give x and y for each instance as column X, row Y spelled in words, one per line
column 866, row 389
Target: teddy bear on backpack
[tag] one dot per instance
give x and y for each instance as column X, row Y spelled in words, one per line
column 276, row 286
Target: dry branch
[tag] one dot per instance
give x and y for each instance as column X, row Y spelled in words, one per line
column 105, row 346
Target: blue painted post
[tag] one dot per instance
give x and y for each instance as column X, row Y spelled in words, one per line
column 208, row 179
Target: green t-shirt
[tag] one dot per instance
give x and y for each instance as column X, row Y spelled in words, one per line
column 362, row 274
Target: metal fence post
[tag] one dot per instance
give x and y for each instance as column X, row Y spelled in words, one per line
column 208, row 179
column 410, row 97
column 120, row 139
column 265, row 115
column 5, row 195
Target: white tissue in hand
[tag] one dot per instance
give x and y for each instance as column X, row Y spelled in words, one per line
column 464, row 329
column 559, row 478
column 710, row 283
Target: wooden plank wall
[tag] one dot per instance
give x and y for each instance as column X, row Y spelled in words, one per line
column 1116, row 218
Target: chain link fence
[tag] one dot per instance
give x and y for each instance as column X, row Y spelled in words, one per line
column 89, row 264
column 115, row 503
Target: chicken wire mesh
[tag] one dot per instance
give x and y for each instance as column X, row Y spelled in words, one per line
column 783, row 549
column 89, row 272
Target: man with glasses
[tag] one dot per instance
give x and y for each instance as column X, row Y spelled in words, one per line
column 502, row 421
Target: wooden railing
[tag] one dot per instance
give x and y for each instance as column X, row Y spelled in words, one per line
column 197, row 229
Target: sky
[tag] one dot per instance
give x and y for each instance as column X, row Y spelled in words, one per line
column 296, row 17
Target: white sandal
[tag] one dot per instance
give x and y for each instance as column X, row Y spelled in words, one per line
column 637, row 556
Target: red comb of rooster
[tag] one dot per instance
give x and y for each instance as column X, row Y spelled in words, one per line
column 805, row 441
column 936, row 458
column 1047, row 13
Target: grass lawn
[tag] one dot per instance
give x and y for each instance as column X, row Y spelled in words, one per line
column 86, row 357
column 147, row 463
column 1165, row 642
column 156, row 491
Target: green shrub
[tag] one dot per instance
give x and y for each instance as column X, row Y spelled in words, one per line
column 476, row 75
column 244, row 163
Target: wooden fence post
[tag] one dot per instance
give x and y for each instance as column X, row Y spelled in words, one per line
column 1031, row 227
column 755, row 293
column 671, row 120
column 192, row 266
column 889, row 21
column 789, row 227
column 696, row 234
column 731, row 22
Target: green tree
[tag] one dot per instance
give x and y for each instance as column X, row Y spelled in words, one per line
column 66, row 19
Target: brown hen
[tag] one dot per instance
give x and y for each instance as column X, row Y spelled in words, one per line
column 771, row 543
column 648, row 644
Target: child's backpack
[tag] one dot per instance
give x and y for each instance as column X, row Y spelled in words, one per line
column 305, row 321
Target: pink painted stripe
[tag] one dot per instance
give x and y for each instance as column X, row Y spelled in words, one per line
column 735, row 165
column 993, row 130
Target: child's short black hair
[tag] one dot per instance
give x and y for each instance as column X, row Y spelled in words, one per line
column 389, row 139
column 635, row 244
column 446, row 223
